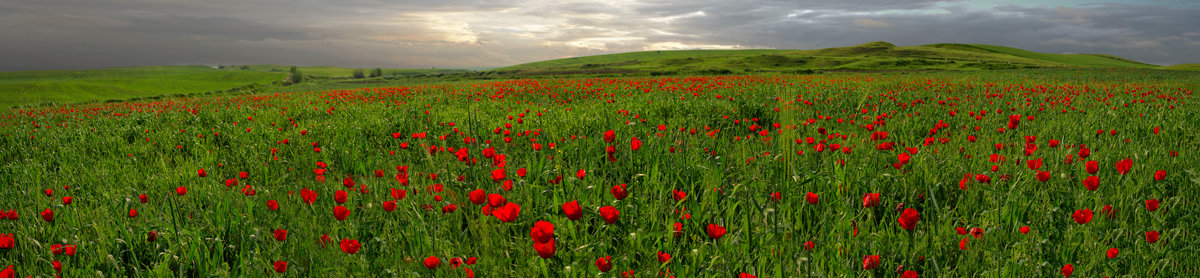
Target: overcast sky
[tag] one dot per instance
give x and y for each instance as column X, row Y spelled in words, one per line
column 77, row 34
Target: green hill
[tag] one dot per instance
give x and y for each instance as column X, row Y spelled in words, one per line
column 864, row 57
column 332, row 71
column 1193, row 66
column 69, row 86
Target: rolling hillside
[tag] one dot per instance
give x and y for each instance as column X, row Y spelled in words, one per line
column 864, row 57
column 332, row 71
column 70, row 86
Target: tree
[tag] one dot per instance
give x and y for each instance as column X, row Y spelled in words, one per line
column 377, row 72
column 294, row 76
column 358, row 73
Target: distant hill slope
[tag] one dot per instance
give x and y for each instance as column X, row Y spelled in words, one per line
column 868, row 56
column 67, row 86
column 1194, row 66
column 332, row 71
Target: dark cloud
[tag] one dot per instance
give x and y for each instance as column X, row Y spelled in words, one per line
column 461, row 33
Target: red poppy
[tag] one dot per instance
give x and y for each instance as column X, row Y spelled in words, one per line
column 1160, row 175
column 812, row 198
column 498, row 175
column 870, row 200
column 544, row 250
column 962, row 244
column 1067, row 270
column 609, row 213
column 663, row 257
column 7, row 241
column 132, row 213
column 1025, row 229
column 1152, row 236
column 1108, row 211
column 809, row 245
column 340, row 213
column 308, row 196
column 870, row 262
column 1091, row 183
column 280, row 266
column 678, row 195
column 1112, row 253
column 542, row 232
column 389, row 206
column 618, row 191
column 715, row 231
column 496, row 200
column 202, row 173
column 1092, row 166
column 1043, row 176
column 977, row 232
column 1152, row 204
column 507, row 213
column 340, row 196
column 432, row 262
column 1124, row 165
column 581, row 174
column 746, row 275
column 280, row 234
column 908, row 219
column 151, row 236
column 1082, row 216
column 399, row 194
column 181, row 191
column 48, row 215
column 678, row 228
column 521, row 172
column 635, row 144
column 609, row 136
column 910, row 274
column 143, row 198
column 350, row 246
column 572, row 210
column 604, row 264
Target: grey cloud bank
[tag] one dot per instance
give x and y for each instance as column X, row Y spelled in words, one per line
column 76, row 34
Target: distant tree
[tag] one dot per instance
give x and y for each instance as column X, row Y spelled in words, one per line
column 358, row 73
column 377, row 72
column 294, row 76
column 245, row 67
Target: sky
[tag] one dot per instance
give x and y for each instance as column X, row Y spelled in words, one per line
column 81, row 34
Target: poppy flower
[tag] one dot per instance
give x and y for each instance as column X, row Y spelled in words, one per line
column 1160, row 175
column 280, row 266
column 399, row 194
column 609, row 213
column 340, row 196
column 1124, row 165
column 432, row 262
column 1034, row 164
column 67, row 200
column 812, row 198
column 143, row 198
column 340, row 213
column 1025, row 229
column 1091, row 183
column 496, row 200
column 870, row 200
column 619, row 192
column 544, row 250
column 678, row 195
column 581, row 174
column 572, row 210
column 663, row 257
column 1092, row 167
column 609, row 136
column 1108, row 211
column 521, row 172
column 870, row 262
column 604, row 264
column 1152, row 204
column 151, row 236
column 635, row 144
column 977, row 232
column 809, row 245
column 280, row 234
column 746, row 275
column 201, row 173
column 1067, row 270
column 132, row 213
column 715, row 231
column 910, row 274
column 1082, row 216
column 507, row 213
column 389, row 206
column 678, row 228
column 908, row 219
column 1043, row 176
column 7, row 241
column 350, row 246
column 962, row 244
column 1152, row 236
column 455, row 262
column 1112, row 253
column 48, row 215
column 542, row 232
column 57, row 266
column 308, row 196
column 498, row 175
column 181, row 191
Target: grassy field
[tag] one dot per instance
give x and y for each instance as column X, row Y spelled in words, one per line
column 1020, row 173
column 332, row 71
column 73, row 86
column 1192, row 67
column 866, row 57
